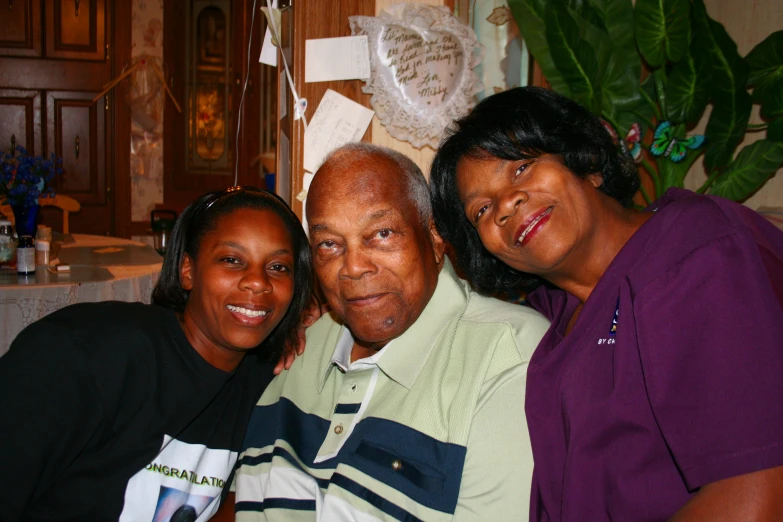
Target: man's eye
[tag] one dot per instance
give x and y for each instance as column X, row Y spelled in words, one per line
column 384, row 233
column 326, row 245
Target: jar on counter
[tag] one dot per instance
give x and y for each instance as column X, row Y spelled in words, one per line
column 42, row 253
column 7, row 243
column 25, row 256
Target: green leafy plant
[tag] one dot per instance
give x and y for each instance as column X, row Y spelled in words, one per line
column 597, row 52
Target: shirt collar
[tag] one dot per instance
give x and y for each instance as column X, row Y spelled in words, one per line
column 403, row 361
column 342, row 353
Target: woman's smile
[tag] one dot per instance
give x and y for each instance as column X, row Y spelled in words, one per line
column 532, row 225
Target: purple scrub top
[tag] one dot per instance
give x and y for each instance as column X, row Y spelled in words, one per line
column 672, row 376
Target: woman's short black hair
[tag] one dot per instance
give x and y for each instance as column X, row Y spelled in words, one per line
column 520, row 123
column 202, row 216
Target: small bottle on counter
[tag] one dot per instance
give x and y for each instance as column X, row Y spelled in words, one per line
column 25, row 256
column 44, row 233
column 42, row 253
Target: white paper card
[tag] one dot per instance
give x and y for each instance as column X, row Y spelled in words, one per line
column 328, row 59
column 268, row 49
column 337, row 121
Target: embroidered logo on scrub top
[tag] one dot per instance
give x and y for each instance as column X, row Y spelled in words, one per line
column 613, row 328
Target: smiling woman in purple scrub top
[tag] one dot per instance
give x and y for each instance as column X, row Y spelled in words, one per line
column 658, row 391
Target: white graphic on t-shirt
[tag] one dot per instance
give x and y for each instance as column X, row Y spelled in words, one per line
column 182, row 484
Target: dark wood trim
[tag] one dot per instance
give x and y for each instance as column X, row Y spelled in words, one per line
column 140, row 228
column 121, row 126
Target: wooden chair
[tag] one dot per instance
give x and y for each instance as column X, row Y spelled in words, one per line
column 65, row 203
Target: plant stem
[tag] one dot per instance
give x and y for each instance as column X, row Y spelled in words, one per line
column 707, row 184
column 644, row 194
column 652, row 104
column 654, row 175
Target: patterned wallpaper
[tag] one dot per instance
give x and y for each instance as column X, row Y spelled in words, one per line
column 146, row 137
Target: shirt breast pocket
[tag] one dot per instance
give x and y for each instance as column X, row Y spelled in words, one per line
column 424, row 469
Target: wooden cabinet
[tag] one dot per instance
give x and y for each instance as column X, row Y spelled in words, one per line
column 20, row 28
column 55, row 57
column 20, row 120
column 76, row 29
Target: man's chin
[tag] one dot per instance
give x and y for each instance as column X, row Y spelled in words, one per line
column 372, row 336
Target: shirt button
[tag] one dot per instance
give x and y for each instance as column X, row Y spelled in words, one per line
column 396, row 465
column 338, row 429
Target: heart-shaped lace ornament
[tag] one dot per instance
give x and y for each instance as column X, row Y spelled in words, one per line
column 422, row 60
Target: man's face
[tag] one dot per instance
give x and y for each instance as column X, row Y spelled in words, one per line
column 376, row 263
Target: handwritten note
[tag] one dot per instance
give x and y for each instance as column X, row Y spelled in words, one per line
column 337, row 121
column 328, row 59
column 426, row 69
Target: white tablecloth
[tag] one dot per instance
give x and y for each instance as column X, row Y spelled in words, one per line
column 21, row 305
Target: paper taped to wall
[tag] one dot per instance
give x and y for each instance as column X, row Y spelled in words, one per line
column 328, row 59
column 337, row 121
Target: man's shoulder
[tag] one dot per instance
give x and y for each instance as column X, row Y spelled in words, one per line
column 304, row 376
column 506, row 322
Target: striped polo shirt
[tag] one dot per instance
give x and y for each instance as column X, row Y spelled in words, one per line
column 432, row 427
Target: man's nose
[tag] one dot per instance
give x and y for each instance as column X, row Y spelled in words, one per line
column 509, row 204
column 357, row 262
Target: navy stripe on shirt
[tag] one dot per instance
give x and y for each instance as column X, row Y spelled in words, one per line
column 376, row 500
column 347, row 408
column 276, row 503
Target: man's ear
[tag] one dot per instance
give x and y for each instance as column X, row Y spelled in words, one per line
column 186, row 273
column 438, row 245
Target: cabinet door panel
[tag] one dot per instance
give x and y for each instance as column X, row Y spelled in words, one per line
column 76, row 29
column 76, row 132
column 20, row 28
column 20, row 120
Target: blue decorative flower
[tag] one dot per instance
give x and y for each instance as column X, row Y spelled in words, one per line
column 25, row 178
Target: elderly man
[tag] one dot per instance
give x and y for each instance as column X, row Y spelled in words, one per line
column 408, row 403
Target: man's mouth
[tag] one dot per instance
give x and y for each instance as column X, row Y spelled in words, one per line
column 365, row 299
column 532, row 225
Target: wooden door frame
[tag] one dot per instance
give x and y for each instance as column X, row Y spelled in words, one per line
column 120, row 127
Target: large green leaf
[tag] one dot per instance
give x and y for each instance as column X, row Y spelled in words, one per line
column 573, row 56
column 725, row 130
column 766, row 74
column 728, row 76
column 608, row 27
column 775, row 130
column 529, row 15
column 766, row 60
column 772, row 102
column 686, row 90
column 662, row 30
column 753, row 166
column 671, row 174
column 617, row 18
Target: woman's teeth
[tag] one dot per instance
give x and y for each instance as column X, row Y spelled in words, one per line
column 246, row 311
column 533, row 224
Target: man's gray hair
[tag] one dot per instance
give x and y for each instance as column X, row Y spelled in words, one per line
column 418, row 190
